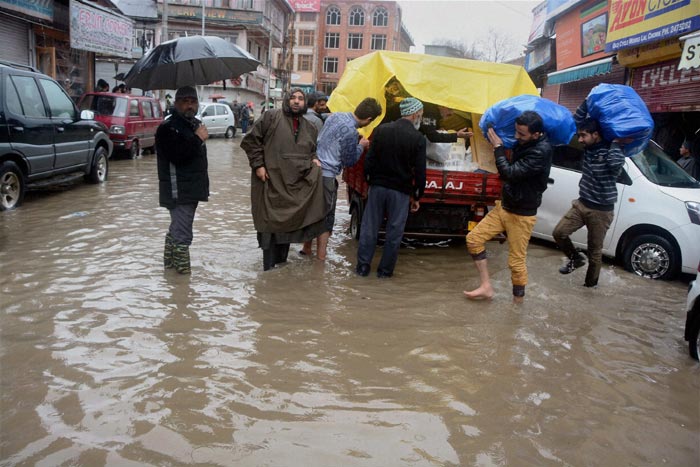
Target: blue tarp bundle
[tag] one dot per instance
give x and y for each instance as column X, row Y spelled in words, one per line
column 558, row 121
column 621, row 114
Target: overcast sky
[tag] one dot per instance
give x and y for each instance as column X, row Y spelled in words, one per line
column 465, row 20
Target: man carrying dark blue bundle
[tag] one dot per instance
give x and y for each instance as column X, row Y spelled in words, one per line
column 602, row 163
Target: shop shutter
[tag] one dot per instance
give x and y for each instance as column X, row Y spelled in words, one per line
column 572, row 94
column 551, row 92
column 15, row 35
column 664, row 88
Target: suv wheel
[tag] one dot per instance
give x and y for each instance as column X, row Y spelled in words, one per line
column 100, row 167
column 651, row 256
column 11, row 186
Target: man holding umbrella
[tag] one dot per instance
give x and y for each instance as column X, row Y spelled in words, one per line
column 182, row 175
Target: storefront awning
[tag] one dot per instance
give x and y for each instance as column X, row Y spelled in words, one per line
column 691, row 52
column 587, row 70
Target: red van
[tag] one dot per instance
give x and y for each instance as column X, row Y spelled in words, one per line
column 132, row 120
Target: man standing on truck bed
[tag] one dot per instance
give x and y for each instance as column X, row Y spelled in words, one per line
column 395, row 171
column 524, row 180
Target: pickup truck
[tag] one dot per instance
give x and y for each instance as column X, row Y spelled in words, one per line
column 454, row 200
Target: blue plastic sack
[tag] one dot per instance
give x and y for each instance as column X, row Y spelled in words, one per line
column 558, row 122
column 621, row 114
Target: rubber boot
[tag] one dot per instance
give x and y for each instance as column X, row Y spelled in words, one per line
column 168, row 252
column 268, row 258
column 573, row 262
column 181, row 258
column 281, row 252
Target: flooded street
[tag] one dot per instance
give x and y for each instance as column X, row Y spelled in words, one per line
column 107, row 359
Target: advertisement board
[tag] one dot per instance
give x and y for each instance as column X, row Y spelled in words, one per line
column 636, row 22
column 581, row 34
column 101, row 31
column 303, row 6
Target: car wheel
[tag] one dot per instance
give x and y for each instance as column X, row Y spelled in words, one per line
column 100, row 167
column 135, row 150
column 230, row 132
column 12, row 186
column 355, row 222
column 651, row 256
column 694, row 339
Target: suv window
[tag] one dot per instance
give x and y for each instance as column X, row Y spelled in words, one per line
column 30, row 103
column 134, row 108
column 60, row 104
column 147, row 110
column 156, row 110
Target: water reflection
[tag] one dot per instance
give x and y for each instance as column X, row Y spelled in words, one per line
column 107, row 359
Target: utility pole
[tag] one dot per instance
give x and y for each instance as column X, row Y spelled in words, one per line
column 164, row 36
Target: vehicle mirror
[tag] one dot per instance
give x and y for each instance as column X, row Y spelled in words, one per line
column 87, row 115
column 205, row 114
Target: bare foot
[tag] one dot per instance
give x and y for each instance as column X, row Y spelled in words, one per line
column 484, row 292
column 518, row 300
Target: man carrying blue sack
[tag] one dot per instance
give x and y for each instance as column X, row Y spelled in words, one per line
column 602, row 163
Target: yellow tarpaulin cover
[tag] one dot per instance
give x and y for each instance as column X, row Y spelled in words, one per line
column 467, row 85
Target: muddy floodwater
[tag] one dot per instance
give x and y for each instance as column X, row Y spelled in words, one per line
column 107, row 359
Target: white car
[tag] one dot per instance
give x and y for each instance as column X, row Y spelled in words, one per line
column 656, row 229
column 218, row 119
column 692, row 320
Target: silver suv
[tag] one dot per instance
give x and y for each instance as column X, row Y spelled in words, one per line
column 44, row 140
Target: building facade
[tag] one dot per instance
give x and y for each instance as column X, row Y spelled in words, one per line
column 654, row 47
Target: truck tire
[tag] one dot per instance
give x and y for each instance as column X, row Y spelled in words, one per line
column 135, row 150
column 12, row 186
column 355, row 221
column 651, row 256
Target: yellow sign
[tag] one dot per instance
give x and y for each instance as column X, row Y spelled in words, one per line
column 636, row 22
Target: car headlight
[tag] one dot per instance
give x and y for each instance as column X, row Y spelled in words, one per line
column 117, row 130
column 693, row 211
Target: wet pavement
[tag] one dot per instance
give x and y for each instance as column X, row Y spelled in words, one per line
column 107, row 359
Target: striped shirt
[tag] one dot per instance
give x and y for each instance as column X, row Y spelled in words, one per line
column 602, row 163
column 338, row 143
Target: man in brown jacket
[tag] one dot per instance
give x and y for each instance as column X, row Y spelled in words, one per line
column 286, row 190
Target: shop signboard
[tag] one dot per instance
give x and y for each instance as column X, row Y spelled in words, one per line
column 636, row 22
column 581, row 34
column 306, row 6
column 40, row 9
column 99, row 30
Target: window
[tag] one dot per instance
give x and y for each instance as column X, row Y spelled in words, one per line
column 304, row 62
column 333, row 16
column 354, row 40
column 330, row 65
column 378, row 42
column 307, row 17
column 25, row 97
column 60, row 104
column 147, row 109
column 157, row 112
column 306, row 38
column 356, row 17
column 380, row 17
column 332, row 40
column 328, row 87
column 134, row 108
column 222, row 110
column 244, row 4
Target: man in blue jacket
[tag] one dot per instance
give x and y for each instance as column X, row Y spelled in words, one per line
column 183, row 178
column 524, row 180
column 395, row 171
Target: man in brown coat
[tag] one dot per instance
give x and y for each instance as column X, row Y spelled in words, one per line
column 286, row 190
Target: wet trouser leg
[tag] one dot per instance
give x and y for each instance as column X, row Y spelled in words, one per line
column 181, row 221
column 397, row 205
column 518, row 228
column 570, row 223
column 371, row 222
column 281, row 252
column 598, row 223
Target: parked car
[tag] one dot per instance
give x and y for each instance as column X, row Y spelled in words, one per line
column 44, row 140
column 132, row 120
column 218, row 119
column 692, row 320
column 656, row 229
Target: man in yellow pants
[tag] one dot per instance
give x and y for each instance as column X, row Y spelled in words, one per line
column 525, row 179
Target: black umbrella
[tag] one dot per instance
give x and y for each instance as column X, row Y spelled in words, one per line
column 189, row 61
